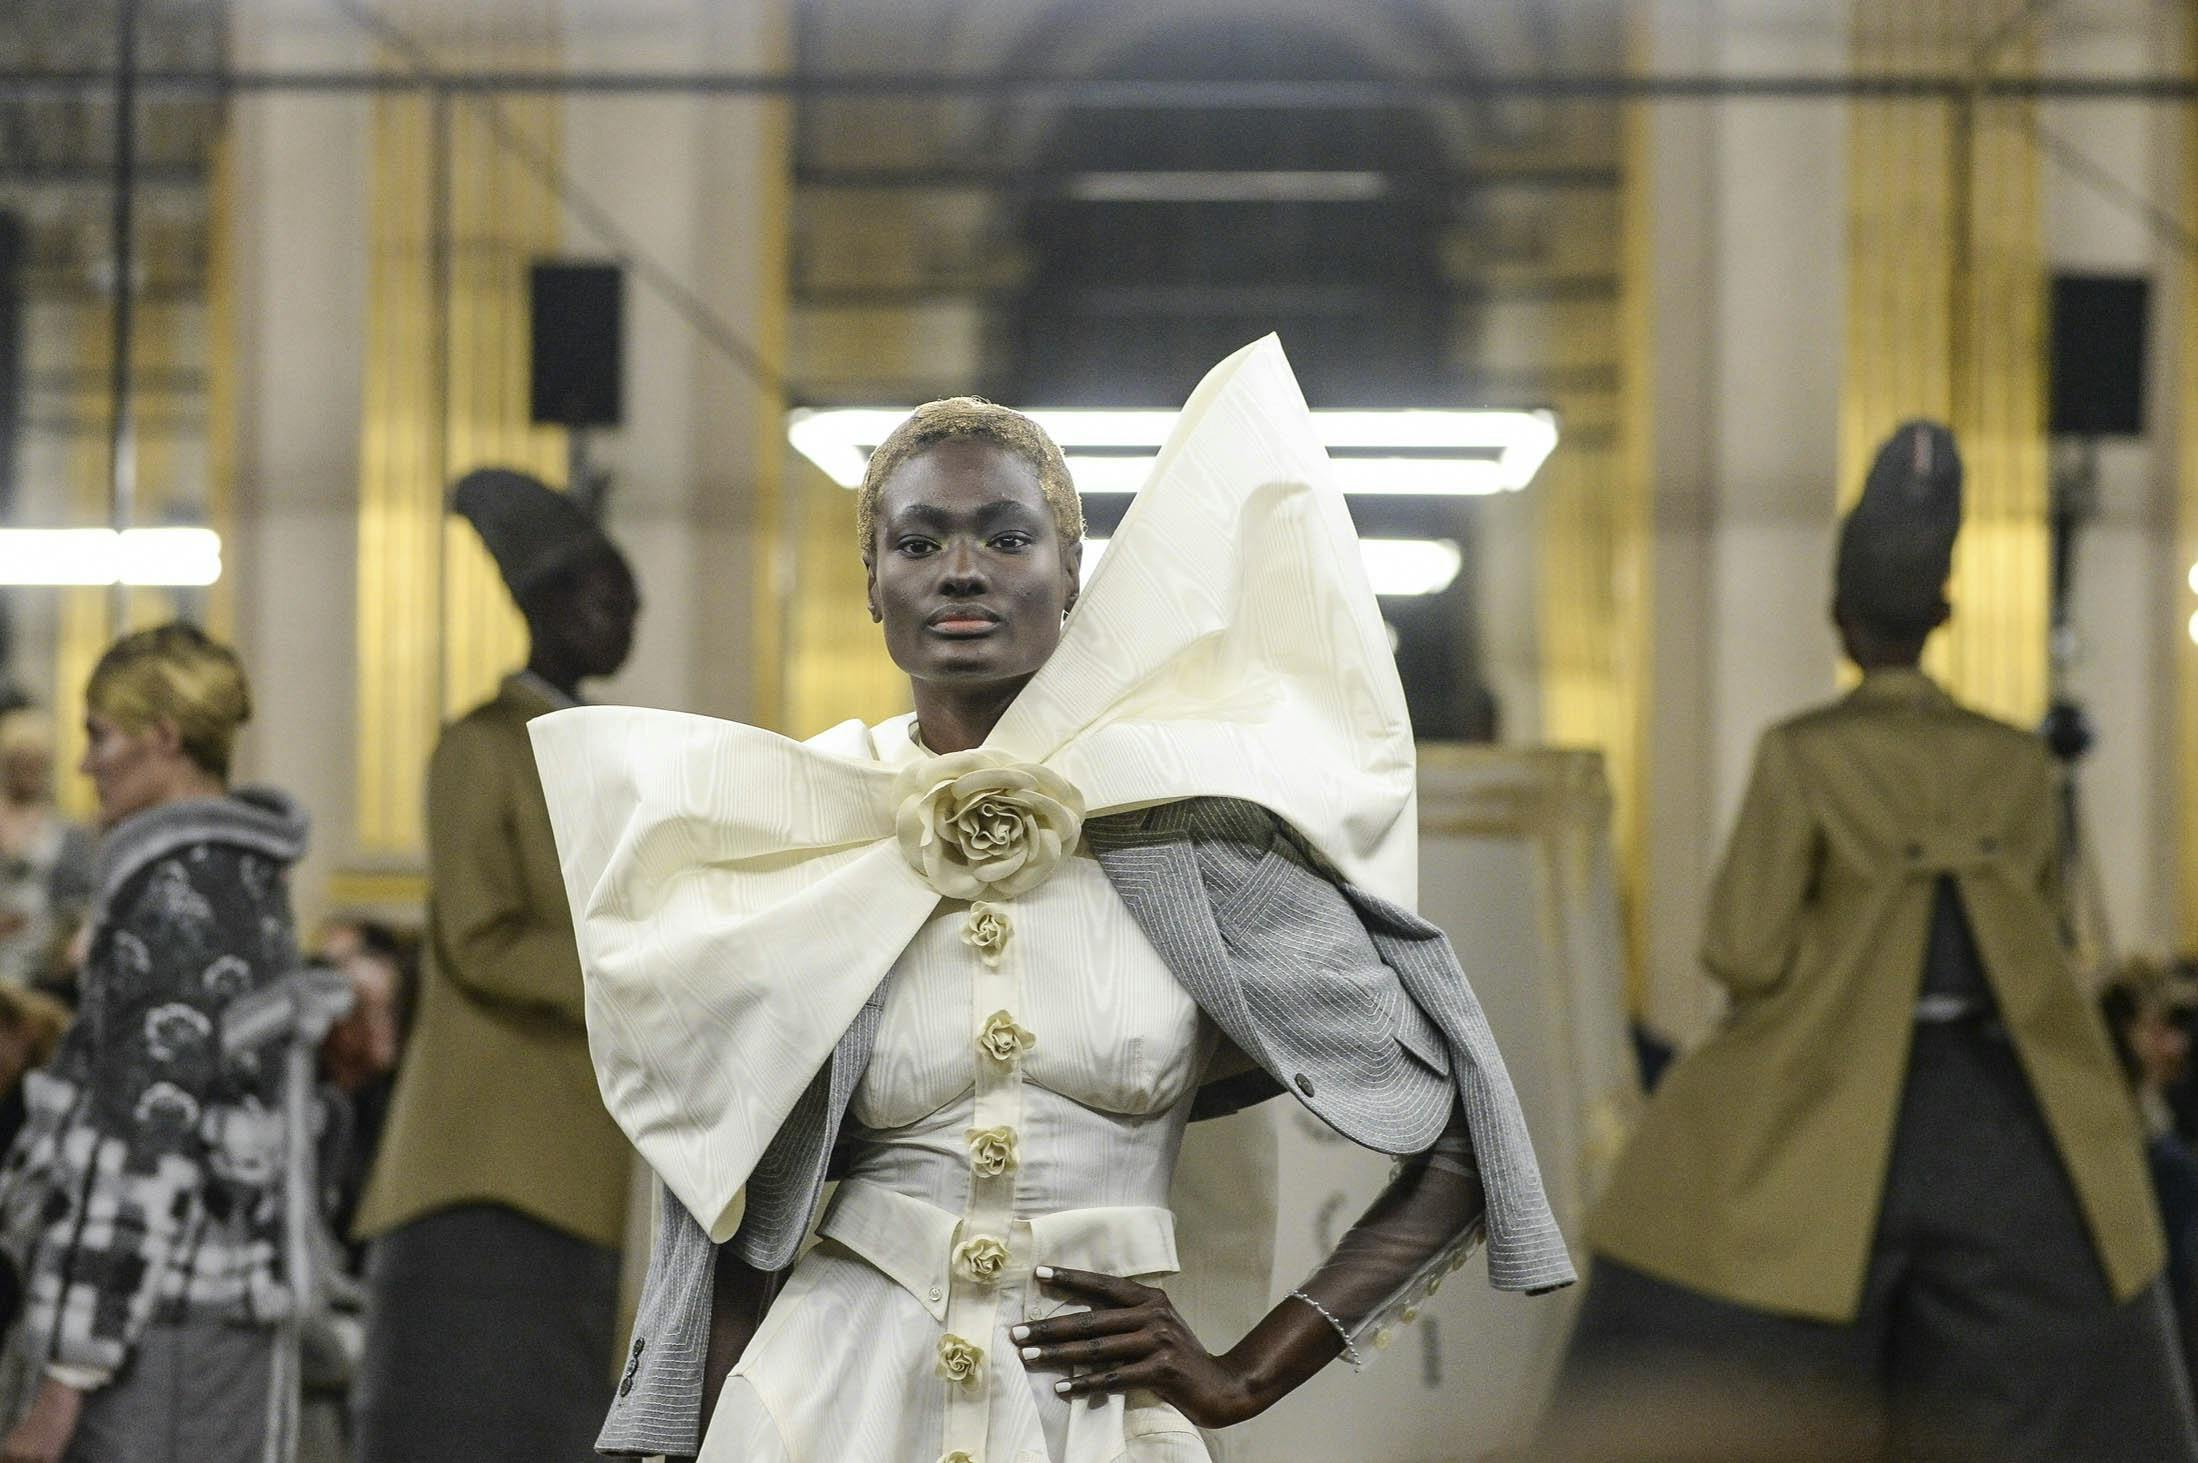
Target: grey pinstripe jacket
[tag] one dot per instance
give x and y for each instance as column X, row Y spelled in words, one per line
column 1355, row 1006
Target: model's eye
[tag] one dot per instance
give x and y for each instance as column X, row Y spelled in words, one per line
column 1013, row 540
column 916, row 547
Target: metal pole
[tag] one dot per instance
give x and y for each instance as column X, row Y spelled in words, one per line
column 122, row 436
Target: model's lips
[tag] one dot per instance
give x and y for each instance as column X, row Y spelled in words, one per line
column 961, row 621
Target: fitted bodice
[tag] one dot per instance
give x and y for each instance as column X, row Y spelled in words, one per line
column 1116, row 1052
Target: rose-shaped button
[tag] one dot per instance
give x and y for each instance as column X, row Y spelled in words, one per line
column 959, row 1361
column 986, row 931
column 991, row 1150
column 981, row 1259
column 980, row 824
column 1004, row 1041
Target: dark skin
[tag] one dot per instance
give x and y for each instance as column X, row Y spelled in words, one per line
column 581, row 623
column 1872, row 649
column 970, row 578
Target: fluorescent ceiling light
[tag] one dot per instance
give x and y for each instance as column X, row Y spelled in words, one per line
column 1405, row 453
column 1395, row 566
column 95, row 556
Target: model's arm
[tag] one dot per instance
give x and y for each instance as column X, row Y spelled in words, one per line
column 739, row 1295
column 1132, row 1338
column 1755, row 905
column 497, row 943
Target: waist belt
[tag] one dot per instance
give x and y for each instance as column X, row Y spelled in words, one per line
column 912, row 1241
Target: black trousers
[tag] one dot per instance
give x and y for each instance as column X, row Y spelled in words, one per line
column 1986, row 1328
column 488, row 1338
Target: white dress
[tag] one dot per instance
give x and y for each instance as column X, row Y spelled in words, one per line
column 1018, row 1110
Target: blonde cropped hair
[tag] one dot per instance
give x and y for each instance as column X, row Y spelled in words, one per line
column 969, row 419
column 175, row 673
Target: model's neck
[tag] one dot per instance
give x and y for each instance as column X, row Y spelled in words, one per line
column 955, row 718
column 546, row 665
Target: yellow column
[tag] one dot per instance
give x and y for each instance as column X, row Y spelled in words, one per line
column 2186, row 427
column 1592, row 536
column 1946, row 318
column 445, row 387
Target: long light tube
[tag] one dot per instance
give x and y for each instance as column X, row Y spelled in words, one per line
column 175, row 557
column 1403, row 453
column 1395, row 566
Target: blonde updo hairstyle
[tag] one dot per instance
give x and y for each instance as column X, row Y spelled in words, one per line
column 969, row 419
column 179, row 674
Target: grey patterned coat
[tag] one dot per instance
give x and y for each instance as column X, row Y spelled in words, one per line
column 1354, row 1006
column 146, row 1182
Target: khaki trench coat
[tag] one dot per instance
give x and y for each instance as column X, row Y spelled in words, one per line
column 1757, row 1170
column 496, row 1100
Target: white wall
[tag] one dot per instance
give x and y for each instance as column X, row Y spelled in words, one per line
column 300, row 228
column 2131, row 601
column 1747, row 317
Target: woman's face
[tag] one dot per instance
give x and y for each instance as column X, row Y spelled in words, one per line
column 133, row 771
column 968, row 574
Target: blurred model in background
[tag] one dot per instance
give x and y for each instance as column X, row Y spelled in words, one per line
column 1905, row 1170
column 497, row 1204
column 142, row 1199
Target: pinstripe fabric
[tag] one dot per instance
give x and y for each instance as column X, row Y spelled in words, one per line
column 1326, row 986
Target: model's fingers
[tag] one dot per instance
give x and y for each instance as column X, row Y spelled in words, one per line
column 1148, row 1375
column 1097, row 1351
column 1092, row 1286
column 1080, row 1326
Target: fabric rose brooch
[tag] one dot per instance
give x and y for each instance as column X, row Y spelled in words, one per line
column 979, row 824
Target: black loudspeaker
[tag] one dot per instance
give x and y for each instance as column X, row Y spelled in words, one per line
column 578, row 311
column 2097, row 365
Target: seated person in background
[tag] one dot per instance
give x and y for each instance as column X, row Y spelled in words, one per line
column 45, row 861
column 359, row 1055
column 2143, row 1010
column 31, row 1026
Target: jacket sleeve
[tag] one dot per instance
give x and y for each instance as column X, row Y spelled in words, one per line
column 495, row 941
column 125, row 1160
column 1755, row 905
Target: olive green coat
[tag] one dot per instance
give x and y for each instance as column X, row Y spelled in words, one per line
column 496, row 1100
column 1757, row 1170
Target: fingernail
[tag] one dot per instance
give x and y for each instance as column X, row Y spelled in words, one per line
column 1030, row 1353
column 1043, row 1272
column 1060, row 1386
column 1020, row 1333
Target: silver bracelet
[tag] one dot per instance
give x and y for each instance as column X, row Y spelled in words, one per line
column 1350, row 1349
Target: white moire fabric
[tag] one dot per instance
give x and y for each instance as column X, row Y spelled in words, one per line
column 737, row 896
column 1098, row 1104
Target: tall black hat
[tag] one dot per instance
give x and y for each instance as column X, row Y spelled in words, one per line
column 534, row 532
column 1896, row 547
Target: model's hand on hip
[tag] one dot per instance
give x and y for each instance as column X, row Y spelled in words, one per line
column 1132, row 1339
column 43, row 1434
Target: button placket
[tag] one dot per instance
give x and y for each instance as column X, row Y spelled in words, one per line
column 983, row 1255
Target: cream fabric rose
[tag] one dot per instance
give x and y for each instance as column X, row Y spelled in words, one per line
column 981, row 1259
column 979, row 823
column 987, row 932
column 959, row 1455
column 991, row 1150
column 959, row 1361
column 1004, row 1041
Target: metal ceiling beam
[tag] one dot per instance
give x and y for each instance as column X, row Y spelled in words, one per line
column 1049, row 184
column 1125, row 93
column 1207, row 299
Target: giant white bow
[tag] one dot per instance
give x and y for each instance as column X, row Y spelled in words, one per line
column 738, row 896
